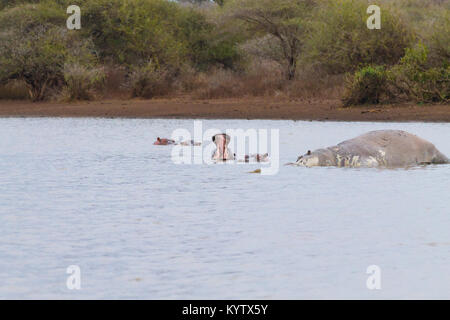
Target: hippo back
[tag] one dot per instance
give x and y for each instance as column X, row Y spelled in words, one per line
column 393, row 148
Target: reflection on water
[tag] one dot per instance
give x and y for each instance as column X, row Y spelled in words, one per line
column 96, row 193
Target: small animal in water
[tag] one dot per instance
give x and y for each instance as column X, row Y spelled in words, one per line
column 163, row 141
column 258, row 157
column 190, row 143
column 222, row 153
column 261, row 157
column 382, row 148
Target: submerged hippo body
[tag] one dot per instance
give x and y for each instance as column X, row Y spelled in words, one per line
column 383, row 148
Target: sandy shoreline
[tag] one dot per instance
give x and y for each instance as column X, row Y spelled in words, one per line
column 251, row 108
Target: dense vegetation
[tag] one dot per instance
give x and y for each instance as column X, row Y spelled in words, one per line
column 226, row 48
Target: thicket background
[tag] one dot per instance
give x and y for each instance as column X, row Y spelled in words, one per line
column 226, row 48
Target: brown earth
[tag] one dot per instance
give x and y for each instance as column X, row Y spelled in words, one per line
column 241, row 108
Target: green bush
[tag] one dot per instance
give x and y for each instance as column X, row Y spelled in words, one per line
column 430, row 20
column 206, row 44
column 367, row 85
column 35, row 46
column 12, row 3
column 409, row 80
column 439, row 41
column 131, row 32
column 412, row 80
column 186, row 44
column 339, row 40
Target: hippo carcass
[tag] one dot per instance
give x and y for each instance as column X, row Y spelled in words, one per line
column 383, row 148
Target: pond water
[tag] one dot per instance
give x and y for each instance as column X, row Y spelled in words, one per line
column 95, row 193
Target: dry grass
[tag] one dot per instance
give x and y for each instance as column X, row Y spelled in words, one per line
column 262, row 79
column 313, row 83
column 227, row 84
column 14, row 90
column 115, row 77
column 149, row 81
column 82, row 83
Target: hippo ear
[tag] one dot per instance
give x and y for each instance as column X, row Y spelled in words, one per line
column 214, row 138
column 308, row 153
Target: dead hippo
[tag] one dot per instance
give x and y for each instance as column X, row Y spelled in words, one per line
column 383, row 148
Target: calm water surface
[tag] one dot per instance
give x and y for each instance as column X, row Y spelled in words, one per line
column 96, row 193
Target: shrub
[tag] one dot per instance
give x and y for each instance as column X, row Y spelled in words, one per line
column 115, row 77
column 34, row 49
column 148, row 81
column 266, row 47
column 340, row 42
column 189, row 79
column 439, row 42
column 80, row 81
column 132, row 32
column 284, row 20
column 311, row 83
column 222, row 83
column 368, row 85
column 409, row 80
column 13, row 90
column 430, row 20
column 219, row 83
column 208, row 45
column 412, row 80
column 12, row 3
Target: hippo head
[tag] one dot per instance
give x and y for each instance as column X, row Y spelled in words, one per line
column 262, row 157
column 163, row 141
column 319, row 157
column 222, row 153
column 309, row 159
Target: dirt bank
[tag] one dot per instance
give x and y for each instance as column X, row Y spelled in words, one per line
column 255, row 108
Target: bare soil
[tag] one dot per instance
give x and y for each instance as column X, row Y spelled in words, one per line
column 240, row 108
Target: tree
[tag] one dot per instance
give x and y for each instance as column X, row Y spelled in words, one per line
column 134, row 32
column 284, row 20
column 340, row 42
column 35, row 46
